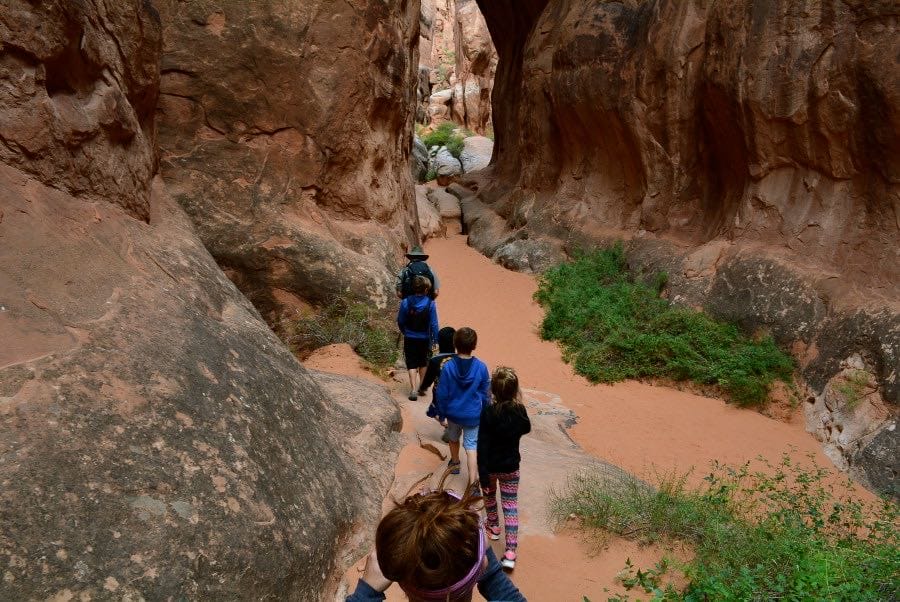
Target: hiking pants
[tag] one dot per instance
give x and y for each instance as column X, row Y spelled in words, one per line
column 509, row 499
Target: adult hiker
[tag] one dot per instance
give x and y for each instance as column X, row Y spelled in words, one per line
column 416, row 267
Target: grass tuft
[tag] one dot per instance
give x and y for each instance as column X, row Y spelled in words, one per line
column 776, row 534
column 613, row 327
column 372, row 334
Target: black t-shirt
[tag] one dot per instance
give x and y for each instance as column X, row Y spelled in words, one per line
column 501, row 427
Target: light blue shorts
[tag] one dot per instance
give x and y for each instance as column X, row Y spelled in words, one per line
column 469, row 435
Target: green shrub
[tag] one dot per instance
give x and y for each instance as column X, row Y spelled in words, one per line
column 445, row 135
column 440, row 135
column 369, row 331
column 455, row 145
column 613, row 327
column 431, row 175
column 777, row 534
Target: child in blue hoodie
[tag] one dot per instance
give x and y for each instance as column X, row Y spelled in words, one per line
column 462, row 392
column 418, row 321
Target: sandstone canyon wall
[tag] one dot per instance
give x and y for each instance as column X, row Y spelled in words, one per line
column 457, row 65
column 285, row 135
column 748, row 148
column 157, row 441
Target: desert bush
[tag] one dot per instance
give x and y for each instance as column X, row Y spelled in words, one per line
column 774, row 534
column 613, row 327
column 455, row 145
column 445, row 135
column 368, row 330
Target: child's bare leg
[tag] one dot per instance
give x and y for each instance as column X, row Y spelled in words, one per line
column 472, row 464
column 413, row 385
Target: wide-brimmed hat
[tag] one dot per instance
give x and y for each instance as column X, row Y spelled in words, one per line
column 417, row 253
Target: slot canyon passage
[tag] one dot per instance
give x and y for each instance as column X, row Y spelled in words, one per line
column 186, row 186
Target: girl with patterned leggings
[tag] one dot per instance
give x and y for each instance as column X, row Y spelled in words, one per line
column 502, row 425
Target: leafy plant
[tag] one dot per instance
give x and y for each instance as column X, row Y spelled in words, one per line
column 445, row 134
column 431, row 175
column 650, row 581
column 775, row 534
column 372, row 334
column 613, row 327
column 455, row 145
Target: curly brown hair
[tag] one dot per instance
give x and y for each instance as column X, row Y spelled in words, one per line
column 430, row 541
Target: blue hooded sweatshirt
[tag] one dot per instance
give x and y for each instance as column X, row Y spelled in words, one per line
column 463, row 391
column 420, row 303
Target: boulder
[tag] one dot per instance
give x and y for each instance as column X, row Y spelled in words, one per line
column 529, row 256
column 476, row 154
column 459, row 191
column 439, row 105
column 446, row 164
column 446, row 204
column 160, row 441
column 299, row 186
column 429, row 218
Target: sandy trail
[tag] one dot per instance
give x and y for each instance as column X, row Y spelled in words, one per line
column 641, row 428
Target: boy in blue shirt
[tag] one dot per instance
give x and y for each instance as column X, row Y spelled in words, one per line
column 418, row 321
column 462, row 392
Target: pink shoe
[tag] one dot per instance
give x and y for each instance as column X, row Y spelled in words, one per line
column 509, row 560
column 493, row 533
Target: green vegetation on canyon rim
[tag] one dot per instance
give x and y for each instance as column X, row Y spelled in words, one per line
column 369, row 331
column 777, row 534
column 613, row 327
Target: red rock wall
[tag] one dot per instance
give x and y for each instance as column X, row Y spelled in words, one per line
column 157, row 439
column 457, row 61
column 476, row 64
column 765, row 121
column 285, row 134
column 77, row 96
column 747, row 148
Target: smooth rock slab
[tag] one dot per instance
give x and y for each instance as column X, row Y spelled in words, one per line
column 446, row 203
column 157, row 440
column 446, row 164
column 476, row 154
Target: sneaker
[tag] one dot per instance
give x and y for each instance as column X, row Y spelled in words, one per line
column 509, row 560
column 493, row 533
column 412, row 396
column 454, row 466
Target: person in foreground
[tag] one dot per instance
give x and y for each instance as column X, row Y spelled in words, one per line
column 434, row 546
